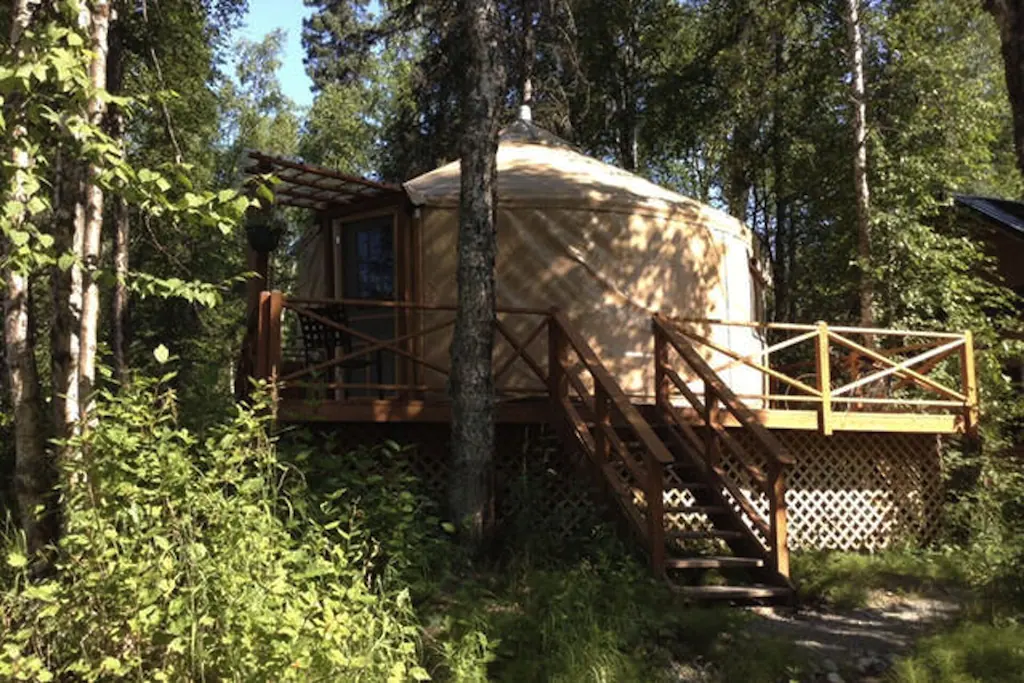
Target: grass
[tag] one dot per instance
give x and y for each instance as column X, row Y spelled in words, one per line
column 846, row 580
column 969, row 653
column 594, row 620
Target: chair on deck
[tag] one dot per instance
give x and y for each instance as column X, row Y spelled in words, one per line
column 321, row 342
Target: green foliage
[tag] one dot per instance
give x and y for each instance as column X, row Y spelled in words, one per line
column 189, row 557
column 390, row 523
column 971, row 653
column 846, row 580
column 602, row 619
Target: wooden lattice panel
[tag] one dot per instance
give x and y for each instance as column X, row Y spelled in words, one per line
column 856, row 491
column 849, row 491
column 532, row 473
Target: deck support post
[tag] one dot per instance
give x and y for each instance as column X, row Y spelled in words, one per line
column 824, row 375
column 655, row 512
column 969, row 382
column 275, row 310
column 779, row 521
column 262, row 336
column 662, row 386
column 558, row 358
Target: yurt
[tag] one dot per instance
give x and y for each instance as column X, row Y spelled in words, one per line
column 606, row 247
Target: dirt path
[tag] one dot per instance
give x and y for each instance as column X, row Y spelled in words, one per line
column 857, row 644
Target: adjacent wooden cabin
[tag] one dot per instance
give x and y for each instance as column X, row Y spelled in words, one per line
column 629, row 325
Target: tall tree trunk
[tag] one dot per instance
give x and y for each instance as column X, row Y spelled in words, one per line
column 1009, row 16
column 66, row 284
column 528, row 57
column 862, row 197
column 99, row 28
column 472, row 382
column 780, row 153
column 737, row 170
column 122, row 225
column 33, row 480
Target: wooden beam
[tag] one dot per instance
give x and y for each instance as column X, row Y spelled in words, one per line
column 969, row 381
column 525, row 411
column 619, row 401
column 320, row 171
column 913, row 423
column 824, row 373
column 903, row 372
column 771, row 446
column 779, row 521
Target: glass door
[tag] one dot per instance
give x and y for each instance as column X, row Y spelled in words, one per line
column 368, row 272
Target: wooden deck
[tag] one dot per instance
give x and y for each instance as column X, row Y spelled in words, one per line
column 537, row 410
column 343, row 361
column 816, row 377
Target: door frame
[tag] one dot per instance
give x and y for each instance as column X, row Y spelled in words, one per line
column 404, row 274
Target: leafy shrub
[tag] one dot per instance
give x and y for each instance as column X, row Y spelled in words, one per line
column 188, row 558
column 393, row 526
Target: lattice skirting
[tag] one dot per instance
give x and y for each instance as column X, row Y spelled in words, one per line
column 535, row 483
column 858, row 491
column 849, row 491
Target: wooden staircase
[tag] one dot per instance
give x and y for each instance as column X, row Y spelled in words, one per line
column 727, row 550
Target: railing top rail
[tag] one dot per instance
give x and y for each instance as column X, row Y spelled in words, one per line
column 803, row 327
column 384, row 303
column 746, row 417
column 618, row 398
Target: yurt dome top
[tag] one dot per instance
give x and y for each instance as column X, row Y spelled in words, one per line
column 538, row 169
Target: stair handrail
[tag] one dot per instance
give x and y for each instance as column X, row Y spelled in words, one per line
column 779, row 458
column 609, row 395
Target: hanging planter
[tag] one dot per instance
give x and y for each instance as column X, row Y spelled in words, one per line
column 263, row 228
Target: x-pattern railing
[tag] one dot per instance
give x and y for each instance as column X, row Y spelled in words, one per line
column 517, row 370
column 890, row 370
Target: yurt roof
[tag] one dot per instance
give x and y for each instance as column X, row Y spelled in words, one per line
column 538, row 169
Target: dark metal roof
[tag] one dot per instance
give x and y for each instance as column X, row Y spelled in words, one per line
column 1004, row 213
column 314, row 187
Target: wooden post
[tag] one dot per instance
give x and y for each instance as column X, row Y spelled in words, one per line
column 712, row 447
column 824, row 374
column 970, row 385
column 259, row 263
column 276, row 309
column 655, row 513
column 661, row 381
column 558, row 348
column 779, row 540
column 262, row 333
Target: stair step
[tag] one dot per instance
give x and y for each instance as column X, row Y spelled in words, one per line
column 754, row 592
column 701, row 535
column 712, row 562
column 696, row 509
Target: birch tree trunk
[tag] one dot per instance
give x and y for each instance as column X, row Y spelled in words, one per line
column 33, row 481
column 860, row 161
column 66, row 284
column 472, row 383
column 99, row 28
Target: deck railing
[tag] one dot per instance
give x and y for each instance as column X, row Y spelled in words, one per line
column 408, row 344
column 706, row 448
column 590, row 420
column 835, row 368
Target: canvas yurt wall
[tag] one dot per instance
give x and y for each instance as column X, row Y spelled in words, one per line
column 605, row 246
